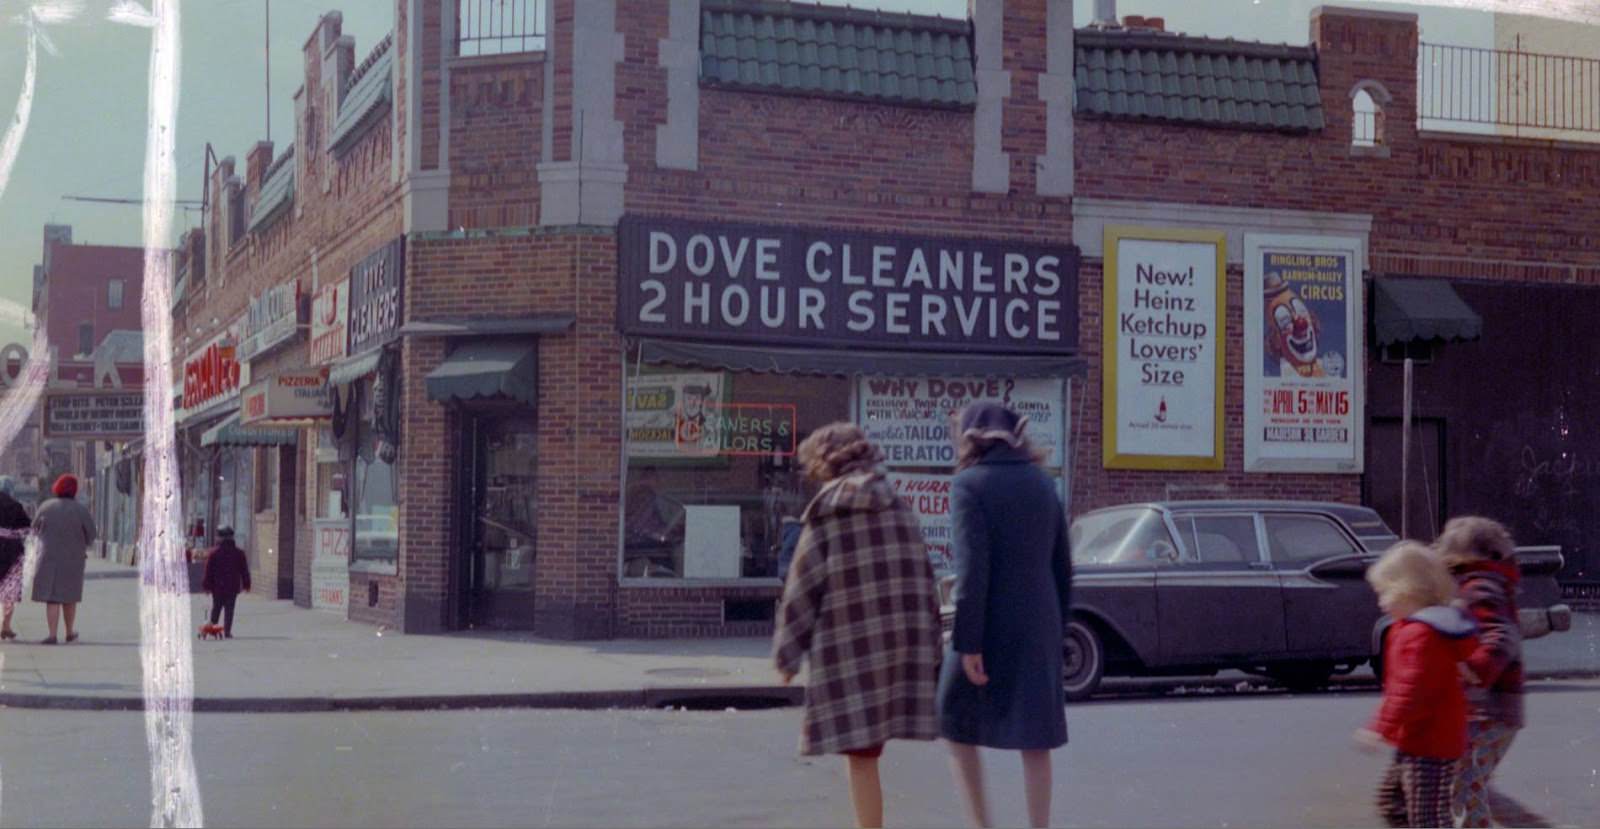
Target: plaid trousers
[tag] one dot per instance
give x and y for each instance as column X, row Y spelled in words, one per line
column 1489, row 742
column 1415, row 791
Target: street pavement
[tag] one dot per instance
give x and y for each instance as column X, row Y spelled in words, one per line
column 286, row 658
column 1234, row 761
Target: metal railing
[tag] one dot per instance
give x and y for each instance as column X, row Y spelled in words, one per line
column 1508, row 92
column 500, row 27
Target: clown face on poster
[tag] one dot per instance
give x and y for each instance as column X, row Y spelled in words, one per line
column 1303, row 358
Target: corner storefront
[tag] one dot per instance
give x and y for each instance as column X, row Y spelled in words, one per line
column 743, row 339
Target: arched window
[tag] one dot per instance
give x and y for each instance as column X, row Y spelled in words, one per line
column 1367, row 101
column 1364, row 132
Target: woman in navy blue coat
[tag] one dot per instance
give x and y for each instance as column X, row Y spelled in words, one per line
column 1001, row 684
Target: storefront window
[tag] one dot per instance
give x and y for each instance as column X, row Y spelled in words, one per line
column 712, row 470
column 330, row 495
column 377, row 512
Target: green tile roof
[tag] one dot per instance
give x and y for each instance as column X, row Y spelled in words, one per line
column 821, row 50
column 1215, row 83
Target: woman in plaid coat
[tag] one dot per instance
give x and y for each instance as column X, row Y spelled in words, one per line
column 859, row 605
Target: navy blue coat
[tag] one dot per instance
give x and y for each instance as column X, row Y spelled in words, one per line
column 1013, row 593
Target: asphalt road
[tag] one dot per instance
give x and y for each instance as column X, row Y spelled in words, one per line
column 1229, row 761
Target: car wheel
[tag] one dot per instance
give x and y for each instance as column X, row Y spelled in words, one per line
column 1302, row 676
column 1083, row 660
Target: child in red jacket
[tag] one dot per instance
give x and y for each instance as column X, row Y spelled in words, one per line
column 1482, row 557
column 1424, row 709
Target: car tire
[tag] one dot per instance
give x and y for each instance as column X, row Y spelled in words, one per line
column 1302, row 676
column 1083, row 660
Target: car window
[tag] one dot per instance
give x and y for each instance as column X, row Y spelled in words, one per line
column 1219, row 539
column 1136, row 536
column 1293, row 538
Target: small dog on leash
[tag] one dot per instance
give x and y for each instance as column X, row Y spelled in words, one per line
column 211, row 631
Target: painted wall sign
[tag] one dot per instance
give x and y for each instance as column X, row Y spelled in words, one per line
column 330, row 329
column 288, row 395
column 909, row 417
column 811, row 287
column 212, row 376
column 1163, row 334
column 667, row 414
column 274, row 318
column 330, row 564
column 376, row 297
column 97, row 415
column 1303, row 355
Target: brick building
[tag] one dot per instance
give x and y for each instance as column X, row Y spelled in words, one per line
column 578, row 289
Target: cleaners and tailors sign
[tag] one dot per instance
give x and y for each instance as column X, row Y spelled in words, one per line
column 1164, row 303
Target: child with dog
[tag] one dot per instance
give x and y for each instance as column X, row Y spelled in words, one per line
column 227, row 573
column 1423, row 714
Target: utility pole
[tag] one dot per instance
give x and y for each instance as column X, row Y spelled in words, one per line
column 267, row 53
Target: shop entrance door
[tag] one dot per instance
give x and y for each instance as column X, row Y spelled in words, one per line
column 498, row 459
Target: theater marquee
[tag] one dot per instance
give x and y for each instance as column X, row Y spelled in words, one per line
column 825, row 287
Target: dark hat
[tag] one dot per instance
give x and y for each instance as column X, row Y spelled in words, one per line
column 225, row 533
column 1273, row 285
column 992, row 421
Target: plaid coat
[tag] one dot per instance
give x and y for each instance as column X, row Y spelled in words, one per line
column 859, row 603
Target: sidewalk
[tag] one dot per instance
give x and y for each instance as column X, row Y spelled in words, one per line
column 285, row 658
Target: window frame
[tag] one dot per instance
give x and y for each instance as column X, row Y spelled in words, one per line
column 362, row 426
column 1355, row 545
column 86, row 338
column 1188, row 557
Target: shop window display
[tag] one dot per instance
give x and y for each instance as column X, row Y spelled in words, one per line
column 712, row 471
column 377, row 511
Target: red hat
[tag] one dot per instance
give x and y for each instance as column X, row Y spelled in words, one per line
column 66, row 486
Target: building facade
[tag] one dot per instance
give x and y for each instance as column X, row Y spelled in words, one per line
column 577, row 292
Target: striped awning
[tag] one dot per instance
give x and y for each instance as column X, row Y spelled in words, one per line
column 230, row 433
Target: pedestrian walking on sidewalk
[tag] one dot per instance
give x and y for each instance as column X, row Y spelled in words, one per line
column 1424, row 710
column 227, row 573
column 14, row 523
column 65, row 530
column 859, row 609
column 1000, row 686
column 1481, row 556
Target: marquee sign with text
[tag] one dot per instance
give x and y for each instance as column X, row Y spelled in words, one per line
column 94, row 415
column 827, row 287
column 376, row 297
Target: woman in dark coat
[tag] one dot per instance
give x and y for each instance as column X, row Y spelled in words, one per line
column 14, row 523
column 1000, row 686
column 65, row 530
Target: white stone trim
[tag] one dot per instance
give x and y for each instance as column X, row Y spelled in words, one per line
column 571, row 193
column 426, row 196
column 1055, row 173
column 991, row 165
column 1090, row 217
column 678, row 140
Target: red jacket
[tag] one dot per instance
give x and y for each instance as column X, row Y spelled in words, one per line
column 1489, row 594
column 1424, row 709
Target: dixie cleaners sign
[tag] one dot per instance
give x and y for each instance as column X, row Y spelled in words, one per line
column 824, row 287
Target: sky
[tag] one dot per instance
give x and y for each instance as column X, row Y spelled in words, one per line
column 86, row 133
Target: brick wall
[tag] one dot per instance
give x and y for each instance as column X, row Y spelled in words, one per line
column 496, row 113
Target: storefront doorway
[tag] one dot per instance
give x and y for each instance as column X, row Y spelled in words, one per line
column 499, row 455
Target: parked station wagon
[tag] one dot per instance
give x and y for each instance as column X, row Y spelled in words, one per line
column 1186, row 588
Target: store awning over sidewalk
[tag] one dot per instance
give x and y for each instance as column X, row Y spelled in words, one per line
column 490, row 368
column 230, row 433
column 1422, row 309
column 834, row 363
column 355, row 368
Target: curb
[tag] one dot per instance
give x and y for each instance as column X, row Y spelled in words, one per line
column 709, row 698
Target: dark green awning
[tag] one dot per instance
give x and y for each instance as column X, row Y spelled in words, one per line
column 1422, row 309
column 230, row 433
column 489, row 368
column 856, row 362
